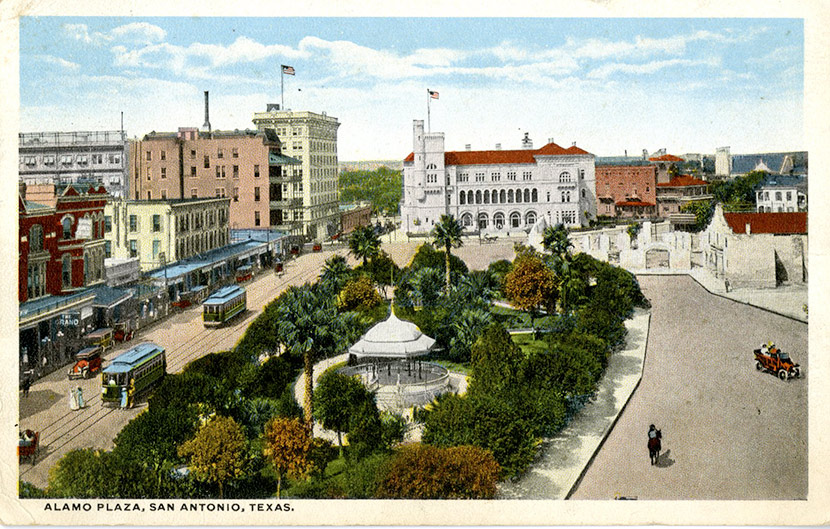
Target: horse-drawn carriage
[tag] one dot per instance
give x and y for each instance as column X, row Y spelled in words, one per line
column 27, row 446
column 777, row 362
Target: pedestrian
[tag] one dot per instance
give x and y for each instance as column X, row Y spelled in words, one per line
column 80, row 397
column 27, row 383
column 73, row 400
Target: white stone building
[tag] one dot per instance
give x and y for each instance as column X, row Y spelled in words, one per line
column 311, row 138
column 780, row 198
column 498, row 191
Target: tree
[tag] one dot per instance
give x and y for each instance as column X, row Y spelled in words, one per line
column 336, row 397
column 467, row 326
column 420, row 288
column 428, row 257
column 429, row 472
column 364, row 243
column 217, row 452
column 311, row 327
column 449, row 421
column 358, row 293
column 702, row 211
column 336, row 272
column 555, row 240
column 287, row 448
column 530, row 285
column 496, row 361
column 383, row 271
column 365, row 428
column 447, row 235
column 381, row 187
column 82, row 474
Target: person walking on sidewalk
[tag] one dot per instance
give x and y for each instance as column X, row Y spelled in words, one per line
column 27, row 384
column 654, row 436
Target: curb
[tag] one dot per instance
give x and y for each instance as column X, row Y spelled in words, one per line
column 611, row 426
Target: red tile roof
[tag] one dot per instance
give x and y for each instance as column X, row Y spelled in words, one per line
column 666, row 158
column 683, row 180
column 503, row 157
column 781, row 223
column 634, row 203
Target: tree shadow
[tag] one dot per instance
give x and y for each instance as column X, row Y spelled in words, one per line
column 36, row 402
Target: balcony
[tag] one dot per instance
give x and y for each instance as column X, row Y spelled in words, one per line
column 287, row 203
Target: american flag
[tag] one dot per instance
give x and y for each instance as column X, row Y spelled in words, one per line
column 432, row 94
column 287, row 70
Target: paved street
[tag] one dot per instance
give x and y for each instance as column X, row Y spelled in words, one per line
column 729, row 431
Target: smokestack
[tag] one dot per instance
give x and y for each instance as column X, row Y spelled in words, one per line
column 467, row 146
column 498, row 146
column 207, row 113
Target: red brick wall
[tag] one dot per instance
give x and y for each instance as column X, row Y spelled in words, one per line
column 621, row 182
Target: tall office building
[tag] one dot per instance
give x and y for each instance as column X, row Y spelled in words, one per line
column 311, row 138
column 61, row 158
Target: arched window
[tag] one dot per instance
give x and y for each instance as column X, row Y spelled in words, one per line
column 487, row 196
column 495, row 195
column 527, row 195
column 518, row 196
column 530, row 218
column 66, row 223
column 534, row 196
column 462, row 198
column 66, row 270
column 470, row 199
column 466, row 220
column 502, row 196
column 478, row 197
column 515, row 219
column 498, row 220
column 510, row 196
column 483, row 221
column 36, row 238
column 565, row 177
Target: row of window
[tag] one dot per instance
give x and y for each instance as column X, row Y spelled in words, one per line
column 220, row 153
column 93, row 271
column 509, row 196
column 495, row 176
column 70, row 159
column 778, row 195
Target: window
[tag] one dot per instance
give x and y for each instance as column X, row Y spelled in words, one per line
column 164, row 194
column 464, row 177
column 36, row 238
column 107, row 249
column 495, row 177
column 256, row 218
column 565, row 177
column 156, row 248
column 149, row 156
column 49, row 160
column 235, row 152
column 133, row 248
column 220, row 153
column 256, row 171
column 236, row 194
column 164, row 172
column 66, row 159
column 581, row 174
column 462, row 198
column 236, row 171
column 498, row 220
column 133, row 223
column 479, row 177
column 511, row 175
column 107, row 223
column 156, row 222
column 220, row 192
column 515, row 219
column 193, row 154
column 256, row 194
column 530, row 218
column 218, row 172
column 193, row 193
column 207, row 162
column 778, row 195
column 66, row 271
column 149, row 195
column 36, row 280
column 193, row 171
column 97, row 159
column 149, row 173
column 163, row 155
column 66, row 223
column 789, row 195
column 527, row 175
column 766, row 195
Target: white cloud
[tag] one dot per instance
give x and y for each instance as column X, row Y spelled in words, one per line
column 778, row 58
column 141, row 32
column 63, row 63
column 81, row 32
column 606, row 70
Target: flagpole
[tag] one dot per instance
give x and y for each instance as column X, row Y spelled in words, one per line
column 429, row 121
column 282, row 89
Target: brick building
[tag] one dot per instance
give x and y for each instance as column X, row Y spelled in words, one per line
column 627, row 190
column 246, row 166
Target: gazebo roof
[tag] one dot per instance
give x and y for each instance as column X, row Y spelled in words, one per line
column 393, row 338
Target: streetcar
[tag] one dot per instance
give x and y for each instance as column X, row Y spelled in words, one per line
column 131, row 374
column 223, row 305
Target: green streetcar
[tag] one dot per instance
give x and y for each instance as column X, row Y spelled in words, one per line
column 223, row 305
column 132, row 373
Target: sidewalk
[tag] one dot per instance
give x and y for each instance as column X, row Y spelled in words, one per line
column 788, row 300
column 563, row 458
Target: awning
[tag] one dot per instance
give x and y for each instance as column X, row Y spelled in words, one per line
column 279, row 159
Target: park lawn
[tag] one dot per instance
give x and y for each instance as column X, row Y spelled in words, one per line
column 528, row 344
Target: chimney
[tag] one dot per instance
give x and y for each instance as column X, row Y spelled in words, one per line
column 498, row 146
column 573, row 144
column 550, row 140
column 207, row 113
column 467, row 147
column 527, row 143
column 748, row 229
column 626, row 153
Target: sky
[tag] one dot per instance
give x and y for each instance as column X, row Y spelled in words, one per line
column 609, row 85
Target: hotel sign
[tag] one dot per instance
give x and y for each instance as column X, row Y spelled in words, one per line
column 84, row 230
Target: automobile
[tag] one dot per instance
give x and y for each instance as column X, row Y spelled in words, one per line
column 122, row 333
column 776, row 362
column 100, row 337
column 87, row 363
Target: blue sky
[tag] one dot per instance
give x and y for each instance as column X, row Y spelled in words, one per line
column 610, row 85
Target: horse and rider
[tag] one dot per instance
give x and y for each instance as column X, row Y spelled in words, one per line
column 654, row 447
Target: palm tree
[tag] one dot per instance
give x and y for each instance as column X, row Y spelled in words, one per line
column 311, row 326
column 335, row 273
column 364, row 243
column 447, row 235
column 555, row 240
